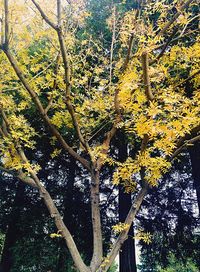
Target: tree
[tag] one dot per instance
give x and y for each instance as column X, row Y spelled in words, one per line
column 195, row 159
column 75, row 84
column 170, row 215
column 176, row 266
column 13, row 229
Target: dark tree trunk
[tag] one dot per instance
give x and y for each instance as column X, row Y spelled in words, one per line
column 127, row 260
column 67, row 217
column 195, row 160
column 13, row 230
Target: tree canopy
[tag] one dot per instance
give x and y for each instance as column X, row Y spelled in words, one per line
column 63, row 80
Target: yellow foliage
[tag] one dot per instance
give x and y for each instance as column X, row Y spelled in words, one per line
column 55, row 235
column 120, row 227
column 99, row 81
column 146, row 237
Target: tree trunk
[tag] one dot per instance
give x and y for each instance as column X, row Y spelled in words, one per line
column 67, row 217
column 195, row 161
column 96, row 222
column 127, row 260
column 13, row 230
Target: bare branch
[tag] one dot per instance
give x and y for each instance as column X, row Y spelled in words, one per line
column 96, row 222
column 8, row 171
column 6, row 31
column 59, row 12
column 128, row 55
column 44, row 16
column 130, row 44
column 26, row 179
column 187, row 137
column 185, row 27
column 113, row 42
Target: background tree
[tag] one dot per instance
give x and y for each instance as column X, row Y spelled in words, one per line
column 173, row 223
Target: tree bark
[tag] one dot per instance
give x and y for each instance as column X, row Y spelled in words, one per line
column 13, row 230
column 194, row 152
column 96, row 222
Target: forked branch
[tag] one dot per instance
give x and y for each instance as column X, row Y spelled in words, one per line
column 34, row 181
column 67, row 69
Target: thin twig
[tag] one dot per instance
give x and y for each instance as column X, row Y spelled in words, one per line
column 44, row 16
column 187, row 79
column 164, row 47
column 185, row 145
column 113, row 42
column 180, row 10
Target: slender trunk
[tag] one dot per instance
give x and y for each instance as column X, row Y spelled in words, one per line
column 96, row 222
column 127, row 260
column 195, row 161
column 13, row 230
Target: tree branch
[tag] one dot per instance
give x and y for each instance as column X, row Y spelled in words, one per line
column 44, row 16
column 164, row 47
column 124, row 234
column 55, row 215
column 112, row 43
column 176, row 39
column 185, row 145
column 168, row 24
column 187, row 79
column 8, row 171
column 128, row 55
column 67, row 69
column 110, row 134
column 6, row 34
column 130, row 45
column 147, row 84
column 43, row 113
column 33, row 94
column 59, row 12
column 187, row 137
column 35, row 182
